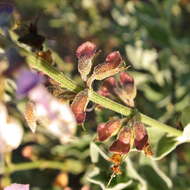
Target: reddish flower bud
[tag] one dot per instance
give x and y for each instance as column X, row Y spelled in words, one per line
column 78, row 106
column 107, row 87
column 122, row 144
column 126, row 89
column 112, row 66
column 113, row 60
column 108, row 129
column 126, row 79
column 141, row 136
column 85, row 53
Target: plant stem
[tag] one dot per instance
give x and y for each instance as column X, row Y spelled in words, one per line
column 66, row 166
column 65, row 82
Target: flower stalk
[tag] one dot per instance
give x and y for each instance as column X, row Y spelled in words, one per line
column 65, row 82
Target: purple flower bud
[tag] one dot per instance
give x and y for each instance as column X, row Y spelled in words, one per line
column 27, row 81
column 106, row 130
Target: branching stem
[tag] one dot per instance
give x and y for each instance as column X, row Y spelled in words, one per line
column 65, row 82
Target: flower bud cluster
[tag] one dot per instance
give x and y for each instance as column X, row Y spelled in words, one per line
column 132, row 134
column 124, row 88
column 112, row 65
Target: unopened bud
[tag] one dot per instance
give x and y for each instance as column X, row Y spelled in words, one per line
column 107, row 88
column 141, row 136
column 113, row 65
column 126, row 89
column 108, row 129
column 85, row 53
column 79, row 105
column 122, row 144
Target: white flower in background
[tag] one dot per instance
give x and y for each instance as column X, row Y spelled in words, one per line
column 16, row 186
column 57, row 117
column 64, row 125
column 11, row 131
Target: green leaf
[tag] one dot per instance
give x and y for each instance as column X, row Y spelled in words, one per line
column 147, row 161
column 95, row 151
column 161, row 143
column 185, row 119
column 154, row 180
column 165, row 146
column 92, row 177
column 133, row 173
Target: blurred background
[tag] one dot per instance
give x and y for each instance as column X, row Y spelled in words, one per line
column 153, row 36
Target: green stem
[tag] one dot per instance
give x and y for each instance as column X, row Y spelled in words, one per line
column 67, row 83
column 44, row 164
column 64, row 82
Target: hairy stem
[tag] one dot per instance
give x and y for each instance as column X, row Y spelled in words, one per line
column 44, row 164
column 65, row 82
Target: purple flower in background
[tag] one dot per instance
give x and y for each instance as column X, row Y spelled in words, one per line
column 6, row 10
column 26, row 81
column 16, row 186
column 15, row 61
column 6, row 7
